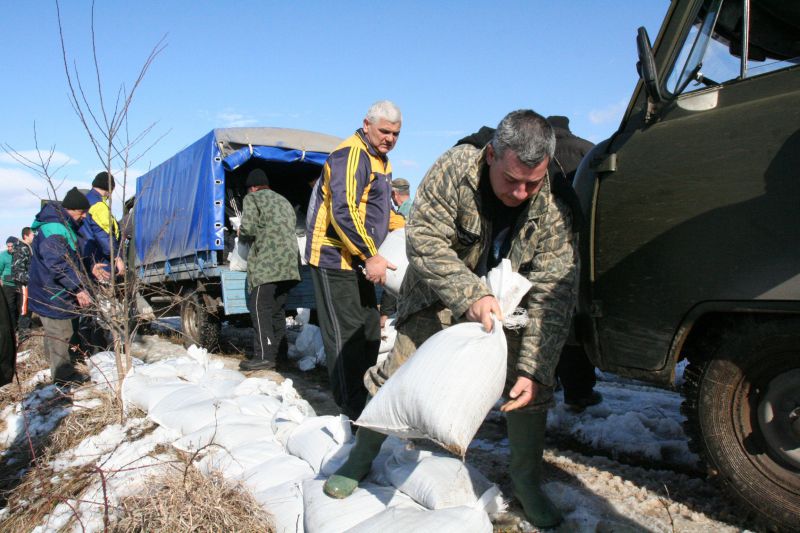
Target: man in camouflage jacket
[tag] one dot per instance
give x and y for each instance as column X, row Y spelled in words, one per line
column 268, row 223
column 473, row 208
column 21, row 264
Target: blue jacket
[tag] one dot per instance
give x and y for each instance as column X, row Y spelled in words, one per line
column 54, row 278
column 99, row 223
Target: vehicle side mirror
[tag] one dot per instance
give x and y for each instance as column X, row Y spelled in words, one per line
column 646, row 66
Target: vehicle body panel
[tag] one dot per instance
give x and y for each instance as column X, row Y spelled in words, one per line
column 697, row 209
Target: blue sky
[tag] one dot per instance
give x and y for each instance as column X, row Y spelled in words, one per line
column 451, row 66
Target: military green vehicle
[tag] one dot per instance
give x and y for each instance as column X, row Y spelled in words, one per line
column 692, row 244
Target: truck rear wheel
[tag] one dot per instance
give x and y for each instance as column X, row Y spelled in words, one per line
column 199, row 326
column 743, row 410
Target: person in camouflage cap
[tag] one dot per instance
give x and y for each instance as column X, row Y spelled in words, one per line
column 268, row 223
column 473, row 208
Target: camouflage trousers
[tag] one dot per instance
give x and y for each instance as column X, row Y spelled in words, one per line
column 420, row 326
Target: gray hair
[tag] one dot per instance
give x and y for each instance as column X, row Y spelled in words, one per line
column 384, row 109
column 527, row 134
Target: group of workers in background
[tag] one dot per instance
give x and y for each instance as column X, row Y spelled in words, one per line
column 50, row 271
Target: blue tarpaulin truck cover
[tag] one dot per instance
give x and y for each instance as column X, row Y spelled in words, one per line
column 179, row 208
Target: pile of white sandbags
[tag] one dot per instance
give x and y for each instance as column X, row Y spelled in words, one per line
column 264, row 435
column 308, row 352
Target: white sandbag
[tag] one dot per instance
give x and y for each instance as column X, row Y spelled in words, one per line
column 199, row 355
column 257, row 386
column 258, row 405
column 237, row 258
column 309, row 341
column 276, row 471
column 285, row 421
column 143, row 392
column 303, row 315
column 234, row 462
column 403, row 519
column 336, row 457
column 301, row 245
column 508, row 287
column 186, row 395
column 240, row 430
column 306, row 364
column 324, row 514
column 393, row 249
column 428, row 398
column 284, row 391
column 285, row 504
column 158, row 369
column 103, row 369
column 292, row 353
column 189, row 418
column 388, row 336
column 316, row 437
column 320, row 357
column 185, row 368
column 378, row 474
column 437, row 481
column 221, row 382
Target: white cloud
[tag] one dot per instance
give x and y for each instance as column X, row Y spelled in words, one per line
column 229, row 119
column 610, row 113
column 21, row 192
column 58, row 158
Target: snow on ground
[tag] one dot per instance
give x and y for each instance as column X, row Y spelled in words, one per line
column 640, row 477
column 631, row 420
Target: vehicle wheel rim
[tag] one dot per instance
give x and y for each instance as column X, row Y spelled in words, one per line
column 190, row 321
column 779, row 417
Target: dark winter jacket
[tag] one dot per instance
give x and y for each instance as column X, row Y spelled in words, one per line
column 570, row 149
column 20, row 262
column 55, row 264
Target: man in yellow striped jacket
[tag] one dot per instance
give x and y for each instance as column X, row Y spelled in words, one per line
column 349, row 215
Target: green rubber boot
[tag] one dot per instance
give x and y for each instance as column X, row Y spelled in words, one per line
column 345, row 480
column 526, row 438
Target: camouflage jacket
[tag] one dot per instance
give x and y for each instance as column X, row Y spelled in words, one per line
column 446, row 235
column 21, row 262
column 268, row 223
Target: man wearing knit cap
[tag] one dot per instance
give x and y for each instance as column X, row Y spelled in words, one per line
column 7, row 280
column 268, row 222
column 401, row 196
column 100, row 232
column 56, row 289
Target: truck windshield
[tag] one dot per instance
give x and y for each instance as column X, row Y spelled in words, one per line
column 712, row 50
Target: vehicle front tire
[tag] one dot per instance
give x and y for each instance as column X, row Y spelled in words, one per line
column 743, row 411
column 199, row 326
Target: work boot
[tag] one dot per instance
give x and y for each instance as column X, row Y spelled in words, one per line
column 256, row 364
column 345, row 480
column 579, row 403
column 526, row 438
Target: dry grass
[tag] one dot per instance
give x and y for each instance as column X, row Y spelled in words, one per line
column 28, row 485
column 40, row 491
column 186, row 500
